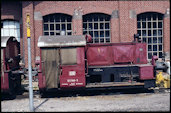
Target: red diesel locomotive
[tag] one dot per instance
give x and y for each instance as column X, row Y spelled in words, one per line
column 10, row 68
column 70, row 62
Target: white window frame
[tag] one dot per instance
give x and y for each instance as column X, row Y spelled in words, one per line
column 57, row 19
column 146, row 20
column 101, row 20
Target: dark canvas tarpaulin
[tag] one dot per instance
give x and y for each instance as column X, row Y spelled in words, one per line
column 50, row 58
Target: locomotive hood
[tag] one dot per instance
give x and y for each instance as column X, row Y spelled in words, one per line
column 61, row 41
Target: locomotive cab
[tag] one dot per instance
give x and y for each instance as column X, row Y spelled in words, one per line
column 61, row 62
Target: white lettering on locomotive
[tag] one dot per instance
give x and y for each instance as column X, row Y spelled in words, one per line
column 72, row 73
column 98, row 70
column 72, row 80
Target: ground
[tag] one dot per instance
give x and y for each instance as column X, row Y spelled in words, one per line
column 112, row 100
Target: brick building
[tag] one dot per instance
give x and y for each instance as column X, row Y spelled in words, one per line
column 106, row 21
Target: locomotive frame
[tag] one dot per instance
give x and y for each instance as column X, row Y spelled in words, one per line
column 70, row 62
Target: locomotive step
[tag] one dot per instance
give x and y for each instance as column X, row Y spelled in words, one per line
column 110, row 84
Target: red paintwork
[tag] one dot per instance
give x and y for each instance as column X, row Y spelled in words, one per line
column 140, row 54
column 123, row 54
column 146, row 72
column 5, row 82
column 41, row 77
column 74, row 75
column 103, row 54
column 99, row 55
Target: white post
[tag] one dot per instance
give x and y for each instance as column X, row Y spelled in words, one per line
column 29, row 65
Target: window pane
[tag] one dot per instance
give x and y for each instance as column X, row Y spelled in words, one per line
column 149, row 40
column 51, row 26
column 46, row 27
column 154, row 47
column 106, row 25
column 51, row 33
column 89, row 19
column 96, row 34
column 107, row 39
column 57, row 19
column 51, row 19
column 143, row 33
column 160, row 54
column 154, row 16
column 101, row 26
column 160, row 40
column 160, row 25
column 69, row 19
column 90, row 26
column 149, row 55
column 69, row 33
column 101, row 33
column 63, row 27
column 107, row 18
column 160, row 17
column 160, row 47
column 143, row 18
column 106, row 33
column 139, row 32
column 155, row 40
column 68, row 26
column 149, row 24
column 160, row 32
column 96, row 40
column 57, row 33
column 57, row 26
column 138, row 25
column 143, row 24
column 91, row 33
column 101, row 39
column 84, row 32
column 154, row 25
column 84, row 26
column 138, row 18
column 45, row 19
column 95, row 25
column 46, row 33
column 95, row 18
column 154, row 33
column 101, row 18
column 149, row 32
column 149, row 48
column 62, row 19
column 144, row 39
column 148, row 17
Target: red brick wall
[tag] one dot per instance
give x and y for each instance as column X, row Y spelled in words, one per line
column 10, row 10
column 122, row 28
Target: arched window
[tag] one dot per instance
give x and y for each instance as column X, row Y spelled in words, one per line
column 150, row 29
column 98, row 26
column 10, row 28
column 57, row 24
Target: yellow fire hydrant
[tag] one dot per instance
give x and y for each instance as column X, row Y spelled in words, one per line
column 163, row 80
